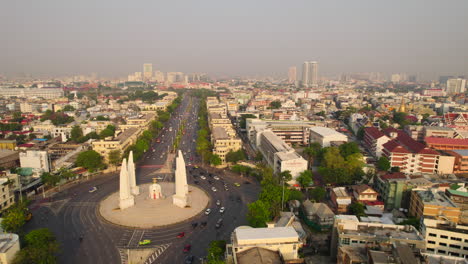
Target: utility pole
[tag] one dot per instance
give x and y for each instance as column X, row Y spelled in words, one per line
column 282, row 198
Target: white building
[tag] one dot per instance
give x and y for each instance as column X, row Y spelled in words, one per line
column 455, row 86
column 283, row 240
column 35, row 159
column 279, row 155
column 310, row 74
column 9, row 245
column 46, row 93
column 445, row 238
column 325, row 136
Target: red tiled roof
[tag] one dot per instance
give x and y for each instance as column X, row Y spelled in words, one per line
column 26, row 145
column 374, row 132
column 447, row 141
column 395, row 175
column 394, row 146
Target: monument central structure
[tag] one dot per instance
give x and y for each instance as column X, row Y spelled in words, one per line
column 154, row 204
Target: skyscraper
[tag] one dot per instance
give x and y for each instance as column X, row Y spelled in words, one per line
column 310, row 74
column 455, row 86
column 147, row 71
column 292, row 74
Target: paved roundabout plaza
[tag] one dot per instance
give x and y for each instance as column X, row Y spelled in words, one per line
column 149, row 213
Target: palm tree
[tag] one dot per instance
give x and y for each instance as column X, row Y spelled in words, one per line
column 311, row 152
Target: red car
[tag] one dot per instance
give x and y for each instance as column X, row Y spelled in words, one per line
column 187, row 248
column 181, row 235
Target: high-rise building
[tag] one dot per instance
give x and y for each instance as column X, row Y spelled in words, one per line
column 147, row 71
column 159, row 76
column 310, row 74
column 455, row 86
column 292, row 74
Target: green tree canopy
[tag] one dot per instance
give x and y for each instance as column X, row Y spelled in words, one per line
column 305, row 178
column 216, row 252
column 383, row 164
column 76, row 133
column 317, row 193
column 14, row 219
column 258, row 214
column 114, row 157
column 215, row 160
column 349, row 148
column 235, row 156
column 286, row 175
column 50, row 179
column 106, row 133
column 90, row 159
column 357, row 209
column 41, row 247
column 275, row 104
column 68, row 108
column 332, row 158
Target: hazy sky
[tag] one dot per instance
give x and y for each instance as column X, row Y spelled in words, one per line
column 115, row 37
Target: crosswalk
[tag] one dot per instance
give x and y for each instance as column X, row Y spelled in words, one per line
column 156, row 253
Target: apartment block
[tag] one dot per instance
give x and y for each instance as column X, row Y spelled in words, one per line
column 433, row 203
column 461, row 160
column 374, row 139
column 445, row 237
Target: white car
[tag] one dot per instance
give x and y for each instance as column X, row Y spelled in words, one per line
column 203, row 177
column 93, row 189
column 218, row 202
column 221, row 210
column 213, row 189
column 208, row 211
column 216, row 178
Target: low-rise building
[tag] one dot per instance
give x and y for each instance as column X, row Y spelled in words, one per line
column 7, row 197
column 446, row 143
column 36, row 159
column 318, row 213
column 223, row 143
column 283, row 240
column 7, row 144
column 121, row 142
column 433, row 203
column 460, row 164
column 9, row 246
column 445, row 237
column 9, row 158
column 326, row 136
column 340, row 199
column 374, row 139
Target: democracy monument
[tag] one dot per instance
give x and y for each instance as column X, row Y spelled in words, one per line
column 154, row 204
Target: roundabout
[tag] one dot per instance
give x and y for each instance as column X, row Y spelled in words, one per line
column 149, row 213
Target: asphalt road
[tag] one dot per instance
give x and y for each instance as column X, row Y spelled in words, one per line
column 73, row 212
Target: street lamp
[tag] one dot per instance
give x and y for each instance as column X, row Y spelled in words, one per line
column 282, row 197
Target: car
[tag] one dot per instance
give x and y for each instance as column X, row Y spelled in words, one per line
column 187, row 248
column 189, row 259
column 213, row 189
column 196, row 182
column 226, row 188
column 236, row 184
column 221, row 210
column 203, row 224
column 219, row 223
column 196, row 167
column 203, row 177
column 144, row 242
column 93, row 189
column 246, row 182
column 194, row 224
column 216, row 178
column 181, row 235
column 218, row 202
column 210, row 182
column 208, row 211
column 239, row 199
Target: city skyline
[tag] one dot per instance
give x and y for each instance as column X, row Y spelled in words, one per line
column 264, row 38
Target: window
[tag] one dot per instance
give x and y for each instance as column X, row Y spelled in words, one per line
column 441, row 251
column 430, row 242
column 455, row 246
column 454, row 254
column 345, row 241
column 456, row 238
column 430, row 249
column 432, row 235
column 442, row 236
column 443, row 244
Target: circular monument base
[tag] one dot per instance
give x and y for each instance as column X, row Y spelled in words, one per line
column 149, row 213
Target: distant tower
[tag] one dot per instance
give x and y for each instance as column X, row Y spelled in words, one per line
column 147, row 71
column 292, row 74
column 310, row 74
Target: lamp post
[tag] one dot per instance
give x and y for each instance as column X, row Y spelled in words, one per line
column 282, row 197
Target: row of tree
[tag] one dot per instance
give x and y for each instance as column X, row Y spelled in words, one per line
column 203, row 137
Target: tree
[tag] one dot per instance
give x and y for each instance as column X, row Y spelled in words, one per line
column 414, row 221
column 349, row 148
column 50, row 179
column 258, row 213
column 360, row 134
column 17, row 117
column 400, row 118
column 295, row 195
column 92, row 135
column 65, row 173
column 357, row 209
column 312, row 151
column 106, row 133
column 114, row 157
column 90, row 160
column 76, row 133
column 286, row 175
column 258, row 156
column 14, row 219
column 216, row 251
column 332, row 158
column 235, row 156
column 383, row 164
column 305, row 178
column 68, row 108
column 41, row 247
column 317, row 193
column 395, row 169
column 275, row 104
column 215, row 160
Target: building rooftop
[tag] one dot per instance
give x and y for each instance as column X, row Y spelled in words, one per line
column 262, row 235
column 6, row 152
column 325, row 131
column 126, row 134
column 7, row 241
column 447, row 141
column 433, row 197
column 340, row 192
column 290, row 155
column 384, row 231
column 258, row 255
column 220, row 133
column 276, row 141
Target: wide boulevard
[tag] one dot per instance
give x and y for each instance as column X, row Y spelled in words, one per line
column 73, row 212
